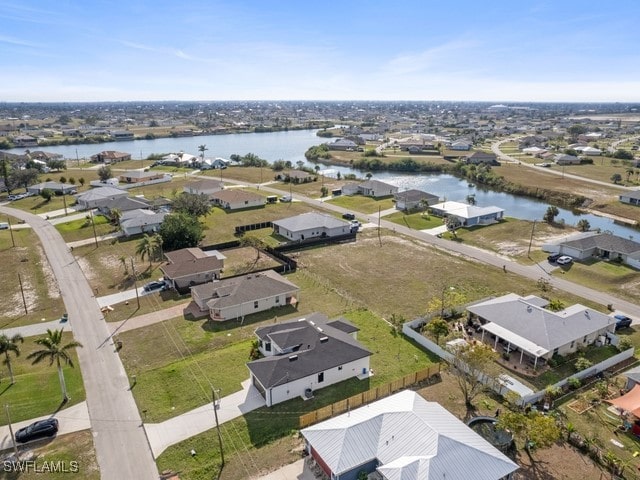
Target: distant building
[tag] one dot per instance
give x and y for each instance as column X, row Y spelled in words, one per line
column 110, row 156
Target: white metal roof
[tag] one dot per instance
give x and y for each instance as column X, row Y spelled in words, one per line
column 411, row 438
column 515, row 340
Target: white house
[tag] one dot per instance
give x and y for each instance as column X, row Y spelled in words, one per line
column 631, row 197
column 468, row 215
column 412, row 199
column 403, row 437
column 139, row 221
column 237, row 297
column 205, row 187
column 304, row 355
column 311, row 225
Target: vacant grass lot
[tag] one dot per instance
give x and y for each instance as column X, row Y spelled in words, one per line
column 271, row 427
column 416, row 221
column 37, row 389
column 360, row 203
column 82, row 229
column 26, row 263
column 244, row 174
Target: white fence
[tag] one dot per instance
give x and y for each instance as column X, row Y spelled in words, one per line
column 502, row 388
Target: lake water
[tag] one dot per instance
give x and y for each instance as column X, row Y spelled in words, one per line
column 291, row 146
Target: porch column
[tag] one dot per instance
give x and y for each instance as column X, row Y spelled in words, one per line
column 495, row 344
column 535, row 363
column 521, row 354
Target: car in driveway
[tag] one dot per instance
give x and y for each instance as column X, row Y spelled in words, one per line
column 39, row 429
column 564, row 260
column 154, row 287
column 622, row 321
column 348, row 216
column 553, row 257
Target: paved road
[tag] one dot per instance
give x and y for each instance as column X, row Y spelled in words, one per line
column 122, row 448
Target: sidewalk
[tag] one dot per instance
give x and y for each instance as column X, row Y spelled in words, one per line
column 88, row 241
column 201, row 419
column 37, row 328
column 147, row 319
column 293, row 471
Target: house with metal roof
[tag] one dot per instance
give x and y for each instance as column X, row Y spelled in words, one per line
column 527, row 326
column 310, row 225
column 403, row 437
column 191, row 266
column 237, row 297
column 303, row 355
column 467, row 215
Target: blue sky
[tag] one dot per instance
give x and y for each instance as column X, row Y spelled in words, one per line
column 517, row 50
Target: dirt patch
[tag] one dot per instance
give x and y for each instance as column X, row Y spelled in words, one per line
column 52, row 284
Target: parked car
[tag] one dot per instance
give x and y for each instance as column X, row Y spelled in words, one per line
column 40, row 429
column 355, row 223
column 622, row 321
column 553, row 257
column 4, row 226
column 154, row 286
column 285, row 199
column 564, row 260
column 64, row 318
column 348, row 216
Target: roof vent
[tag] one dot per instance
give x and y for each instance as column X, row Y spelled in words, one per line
column 529, row 308
column 324, row 339
column 293, row 358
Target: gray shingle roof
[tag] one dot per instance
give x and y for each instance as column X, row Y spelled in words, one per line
column 309, row 220
column 189, row 261
column 313, row 353
column 604, row 241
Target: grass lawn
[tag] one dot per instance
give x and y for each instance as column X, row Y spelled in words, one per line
column 37, row 389
column 62, row 451
column 415, row 221
column 81, row 229
column 617, row 279
column 244, row 174
column 265, row 438
column 360, row 203
column 26, row 263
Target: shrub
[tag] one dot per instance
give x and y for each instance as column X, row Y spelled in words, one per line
column 573, row 383
column 582, row 364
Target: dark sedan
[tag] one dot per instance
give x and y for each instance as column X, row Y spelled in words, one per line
column 40, row 429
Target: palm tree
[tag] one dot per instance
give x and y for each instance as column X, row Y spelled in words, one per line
column 116, row 215
column 8, row 345
column 145, row 248
column 202, row 149
column 54, row 351
column 629, row 172
column 156, row 245
column 123, row 261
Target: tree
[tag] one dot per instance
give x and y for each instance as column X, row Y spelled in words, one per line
column 47, row 194
column 5, row 171
column 555, row 305
column 424, row 205
column 445, row 303
column 57, row 165
column 551, row 214
column 54, row 351
column 23, row 178
column 145, row 248
column 531, row 428
column 116, row 215
column 202, row 149
column 104, row 173
column 81, row 181
column 123, row 261
column 471, row 199
column 452, row 223
column 180, row 231
column 629, row 171
column 10, row 345
column 437, row 327
column 324, row 191
column 196, row 205
column 623, row 154
column 156, row 247
column 471, row 364
column 368, row 175
column 583, row 225
column 616, row 178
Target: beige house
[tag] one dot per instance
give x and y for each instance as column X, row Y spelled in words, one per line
column 139, row 176
column 237, row 297
column 204, row 187
column 235, row 199
column 192, row 266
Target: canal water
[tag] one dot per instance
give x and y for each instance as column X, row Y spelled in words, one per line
column 291, row 145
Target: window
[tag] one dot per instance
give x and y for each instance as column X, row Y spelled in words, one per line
column 340, row 368
column 321, row 377
column 584, row 340
column 267, row 346
column 255, row 304
column 277, row 299
column 573, row 343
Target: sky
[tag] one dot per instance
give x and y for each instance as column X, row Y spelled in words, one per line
column 499, row 51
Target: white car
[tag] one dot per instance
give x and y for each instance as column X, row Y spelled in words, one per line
column 564, row 260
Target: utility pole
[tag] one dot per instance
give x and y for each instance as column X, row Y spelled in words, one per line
column 64, row 200
column 379, row 237
column 95, row 236
column 135, row 282
column 13, row 241
column 13, row 438
column 216, row 404
column 531, row 239
column 24, row 301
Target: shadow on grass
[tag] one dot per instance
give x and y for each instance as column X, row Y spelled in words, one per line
column 214, row 326
column 5, row 389
column 268, row 424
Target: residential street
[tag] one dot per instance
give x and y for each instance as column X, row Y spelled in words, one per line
column 122, row 448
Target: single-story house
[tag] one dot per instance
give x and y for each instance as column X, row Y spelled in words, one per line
column 603, row 245
column 237, row 297
column 311, row 225
column 524, row 324
column 533, row 151
column 295, row 176
column 206, row 187
column 45, row 156
column 304, row 355
column 631, row 197
column 594, row 152
column 342, row 144
column 121, row 135
column 487, row 158
column 56, row 187
column 414, row 199
column 139, row 176
column 25, row 141
column 122, row 204
column 468, row 215
column 633, row 377
column 350, row 188
column 461, row 145
column 139, row 221
column 564, row 159
column 377, row 189
column 216, row 163
column 235, row 199
column 110, row 156
column 191, row 266
column 403, row 437
column 97, row 197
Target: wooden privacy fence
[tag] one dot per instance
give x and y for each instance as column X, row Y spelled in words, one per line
column 367, row 397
